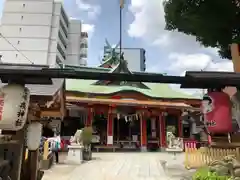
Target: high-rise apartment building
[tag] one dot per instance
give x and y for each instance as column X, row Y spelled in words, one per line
column 77, row 44
column 35, row 31
column 135, row 58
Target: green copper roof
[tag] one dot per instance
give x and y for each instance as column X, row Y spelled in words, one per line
column 119, row 65
column 155, row 90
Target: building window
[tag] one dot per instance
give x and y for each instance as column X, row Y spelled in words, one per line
column 61, row 51
column 64, row 29
column 18, row 42
column 83, row 45
column 24, row 5
column 83, row 55
column 20, row 29
column 21, row 17
column 16, row 55
column 62, row 40
column 59, row 62
column 84, row 34
column 64, row 17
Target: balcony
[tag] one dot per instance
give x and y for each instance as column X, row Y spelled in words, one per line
column 64, row 27
column 62, row 40
column 63, row 37
column 83, row 45
column 59, row 62
column 83, row 55
column 83, row 51
column 64, row 17
column 82, row 62
column 61, row 52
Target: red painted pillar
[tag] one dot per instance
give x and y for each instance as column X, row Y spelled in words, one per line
column 143, row 126
column 89, row 117
column 163, row 142
column 180, row 130
column 110, row 127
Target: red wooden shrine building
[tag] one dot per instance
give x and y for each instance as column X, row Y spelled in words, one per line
column 132, row 112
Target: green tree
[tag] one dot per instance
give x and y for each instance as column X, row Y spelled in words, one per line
column 214, row 23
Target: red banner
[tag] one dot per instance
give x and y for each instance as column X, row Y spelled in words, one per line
column 216, row 107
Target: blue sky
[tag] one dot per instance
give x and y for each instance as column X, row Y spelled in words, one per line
column 106, row 25
column 143, row 27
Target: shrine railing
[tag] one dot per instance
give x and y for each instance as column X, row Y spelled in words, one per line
column 190, row 144
column 196, row 158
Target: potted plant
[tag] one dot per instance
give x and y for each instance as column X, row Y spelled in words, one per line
column 87, row 134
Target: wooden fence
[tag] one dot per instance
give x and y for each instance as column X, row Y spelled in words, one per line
column 195, row 158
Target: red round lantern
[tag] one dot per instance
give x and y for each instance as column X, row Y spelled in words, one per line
column 216, row 107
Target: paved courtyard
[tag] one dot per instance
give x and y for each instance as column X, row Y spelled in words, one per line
column 119, row 166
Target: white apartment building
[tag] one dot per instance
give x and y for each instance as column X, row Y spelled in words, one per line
column 35, row 31
column 77, row 44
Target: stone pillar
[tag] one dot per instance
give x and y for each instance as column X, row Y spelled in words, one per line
column 163, row 142
column 153, row 127
column 143, row 126
column 110, row 127
column 89, row 117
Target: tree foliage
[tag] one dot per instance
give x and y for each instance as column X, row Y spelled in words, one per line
column 214, row 23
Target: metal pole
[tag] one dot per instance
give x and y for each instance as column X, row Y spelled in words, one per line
column 203, row 92
column 120, row 41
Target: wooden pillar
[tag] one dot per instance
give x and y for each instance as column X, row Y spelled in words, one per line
column 153, row 127
column 33, row 164
column 89, row 117
column 163, row 142
column 110, row 127
column 143, row 126
column 180, row 129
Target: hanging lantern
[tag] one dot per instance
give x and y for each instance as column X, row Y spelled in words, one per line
column 34, row 133
column 14, row 103
column 118, row 116
column 130, row 118
column 136, row 116
column 216, row 107
column 126, row 118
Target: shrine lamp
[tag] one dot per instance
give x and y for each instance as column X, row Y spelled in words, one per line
column 34, row 133
column 14, row 103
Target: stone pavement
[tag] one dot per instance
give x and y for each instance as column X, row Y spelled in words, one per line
column 119, row 166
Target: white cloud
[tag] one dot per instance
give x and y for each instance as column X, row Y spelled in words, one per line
column 179, row 51
column 92, row 9
column 196, row 62
column 89, row 28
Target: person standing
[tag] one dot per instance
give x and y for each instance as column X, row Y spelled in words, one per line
column 54, row 139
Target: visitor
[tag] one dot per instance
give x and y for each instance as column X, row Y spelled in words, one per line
column 56, row 145
column 54, row 139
